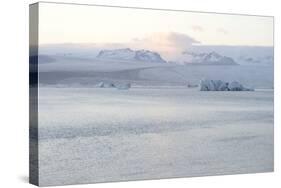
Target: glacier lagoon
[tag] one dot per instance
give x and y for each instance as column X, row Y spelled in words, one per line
column 89, row 135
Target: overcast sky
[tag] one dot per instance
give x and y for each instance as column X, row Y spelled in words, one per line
column 167, row 31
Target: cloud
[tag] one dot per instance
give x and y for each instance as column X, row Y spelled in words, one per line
column 179, row 39
column 222, row 30
column 167, row 44
column 197, row 28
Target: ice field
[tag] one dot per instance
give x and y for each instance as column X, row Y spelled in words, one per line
column 98, row 134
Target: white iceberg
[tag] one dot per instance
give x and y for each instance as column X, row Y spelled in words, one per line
column 121, row 86
column 100, row 84
column 235, row 86
column 108, row 85
column 213, row 85
column 218, row 85
column 105, row 85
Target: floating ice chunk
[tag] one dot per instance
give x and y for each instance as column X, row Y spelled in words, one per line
column 105, row 85
column 204, row 85
column 108, row 85
column 235, row 86
column 100, row 84
column 223, row 86
column 213, row 85
column 218, row 85
column 124, row 86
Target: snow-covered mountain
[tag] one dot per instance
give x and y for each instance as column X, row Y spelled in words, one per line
column 211, row 58
column 128, row 54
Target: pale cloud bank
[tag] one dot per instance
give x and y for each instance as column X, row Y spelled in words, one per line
column 168, row 45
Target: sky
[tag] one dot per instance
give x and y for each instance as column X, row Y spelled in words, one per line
column 165, row 31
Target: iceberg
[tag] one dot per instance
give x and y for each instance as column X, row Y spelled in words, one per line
column 105, row 85
column 219, row 85
column 121, row 86
column 235, row 86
